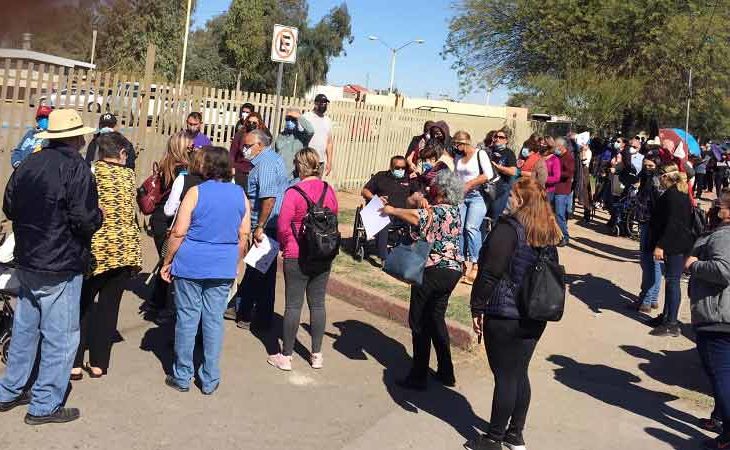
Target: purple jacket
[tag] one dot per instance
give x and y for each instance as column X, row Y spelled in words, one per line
column 553, row 168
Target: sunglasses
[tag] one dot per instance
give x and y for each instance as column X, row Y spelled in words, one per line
column 500, row 136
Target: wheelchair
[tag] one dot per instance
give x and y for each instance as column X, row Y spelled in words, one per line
column 8, row 290
column 397, row 233
column 624, row 219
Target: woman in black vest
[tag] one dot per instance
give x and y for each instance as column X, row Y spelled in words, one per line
column 510, row 339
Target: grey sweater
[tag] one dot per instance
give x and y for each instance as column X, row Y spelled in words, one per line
column 709, row 282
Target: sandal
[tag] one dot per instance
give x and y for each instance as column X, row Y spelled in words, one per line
column 77, row 376
column 91, row 372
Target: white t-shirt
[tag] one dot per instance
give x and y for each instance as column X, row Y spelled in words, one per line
column 470, row 170
column 322, row 131
column 586, row 158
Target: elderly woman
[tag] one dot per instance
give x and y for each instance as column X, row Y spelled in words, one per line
column 670, row 237
column 709, row 294
column 213, row 225
column 116, row 256
column 441, row 225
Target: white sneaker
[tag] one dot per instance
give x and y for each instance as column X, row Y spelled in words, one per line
column 317, row 360
column 280, row 361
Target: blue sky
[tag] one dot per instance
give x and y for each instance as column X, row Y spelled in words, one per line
column 419, row 68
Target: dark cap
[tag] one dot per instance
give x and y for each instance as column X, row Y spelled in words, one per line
column 321, row 98
column 107, row 120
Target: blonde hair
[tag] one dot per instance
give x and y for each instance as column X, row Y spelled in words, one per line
column 462, row 137
column 672, row 177
column 535, row 214
column 196, row 158
column 176, row 155
column 306, row 162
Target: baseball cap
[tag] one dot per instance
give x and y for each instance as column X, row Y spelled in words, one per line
column 43, row 111
column 321, row 98
column 107, row 120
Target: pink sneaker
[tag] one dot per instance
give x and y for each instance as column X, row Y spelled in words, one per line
column 280, row 361
column 317, row 360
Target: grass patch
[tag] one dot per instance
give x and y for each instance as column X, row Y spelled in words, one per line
column 346, row 216
column 364, row 274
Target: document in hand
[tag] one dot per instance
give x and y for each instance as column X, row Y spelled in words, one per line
column 372, row 219
column 262, row 255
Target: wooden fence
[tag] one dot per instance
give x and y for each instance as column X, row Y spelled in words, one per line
column 150, row 110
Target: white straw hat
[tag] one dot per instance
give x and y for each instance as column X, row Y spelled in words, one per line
column 64, row 123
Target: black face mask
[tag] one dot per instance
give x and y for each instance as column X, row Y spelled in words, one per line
column 250, row 127
column 322, row 108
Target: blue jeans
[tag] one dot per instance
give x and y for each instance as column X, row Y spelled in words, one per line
column 196, row 300
column 472, row 211
column 673, row 267
column 714, row 350
column 651, row 270
column 48, row 307
column 500, row 202
column 562, row 204
column 259, row 290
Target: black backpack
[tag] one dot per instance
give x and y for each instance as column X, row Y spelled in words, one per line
column 542, row 295
column 319, row 238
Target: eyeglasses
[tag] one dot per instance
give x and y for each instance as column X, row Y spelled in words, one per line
column 500, row 136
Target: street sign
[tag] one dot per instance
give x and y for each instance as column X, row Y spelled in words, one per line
column 284, row 44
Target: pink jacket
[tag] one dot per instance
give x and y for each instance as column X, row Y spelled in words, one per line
column 553, row 168
column 293, row 210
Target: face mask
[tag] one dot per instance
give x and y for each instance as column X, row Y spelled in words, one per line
column 106, row 130
column 557, row 152
column 193, row 131
column 322, row 108
column 244, row 116
column 649, row 172
column 499, row 147
column 617, row 145
column 290, row 125
column 43, row 123
column 247, row 152
column 427, row 136
column 525, row 152
column 427, row 166
column 633, row 150
column 399, row 173
column 250, row 126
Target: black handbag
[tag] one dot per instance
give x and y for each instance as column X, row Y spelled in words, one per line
column 542, row 295
column 407, row 262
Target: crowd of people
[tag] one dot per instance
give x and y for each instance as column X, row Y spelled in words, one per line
column 489, row 214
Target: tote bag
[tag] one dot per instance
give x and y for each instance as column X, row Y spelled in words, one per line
column 407, row 262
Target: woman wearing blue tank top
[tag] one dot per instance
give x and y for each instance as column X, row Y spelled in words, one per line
column 210, row 236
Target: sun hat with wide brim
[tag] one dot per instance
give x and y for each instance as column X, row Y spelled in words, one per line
column 64, row 123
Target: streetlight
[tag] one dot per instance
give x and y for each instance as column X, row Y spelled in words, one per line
column 393, row 51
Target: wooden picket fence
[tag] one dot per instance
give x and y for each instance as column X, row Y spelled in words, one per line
column 150, row 110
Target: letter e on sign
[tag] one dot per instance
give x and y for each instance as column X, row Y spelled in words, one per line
column 284, row 44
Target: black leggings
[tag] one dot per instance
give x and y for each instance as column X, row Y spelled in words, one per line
column 510, row 344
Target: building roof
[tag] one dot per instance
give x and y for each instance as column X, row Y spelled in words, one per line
column 43, row 58
column 354, row 89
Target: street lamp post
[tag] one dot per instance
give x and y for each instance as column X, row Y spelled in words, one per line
column 393, row 52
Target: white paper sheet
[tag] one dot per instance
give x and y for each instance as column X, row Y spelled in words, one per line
column 261, row 256
column 372, row 220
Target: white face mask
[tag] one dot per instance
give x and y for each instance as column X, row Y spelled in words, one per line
column 617, row 145
column 634, row 150
column 244, row 116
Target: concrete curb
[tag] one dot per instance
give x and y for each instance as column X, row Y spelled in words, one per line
column 396, row 310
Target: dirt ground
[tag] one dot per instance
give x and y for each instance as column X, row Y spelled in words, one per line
column 599, row 381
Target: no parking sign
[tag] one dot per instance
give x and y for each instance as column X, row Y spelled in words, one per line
column 284, row 44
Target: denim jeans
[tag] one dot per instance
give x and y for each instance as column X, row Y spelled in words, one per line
column 472, row 211
column 651, row 270
column 673, row 267
column 196, row 301
column 48, row 306
column 258, row 290
column 500, row 202
column 562, row 204
column 714, row 350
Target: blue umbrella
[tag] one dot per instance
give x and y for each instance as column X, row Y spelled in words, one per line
column 689, row 142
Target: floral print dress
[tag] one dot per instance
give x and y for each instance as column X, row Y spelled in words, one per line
column 445, row 234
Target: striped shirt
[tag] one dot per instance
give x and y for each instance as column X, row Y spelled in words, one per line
column 267, row 179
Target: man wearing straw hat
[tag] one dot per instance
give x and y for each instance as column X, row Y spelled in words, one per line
column 53, row 203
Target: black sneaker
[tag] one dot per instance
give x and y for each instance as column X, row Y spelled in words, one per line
column 412, row 384
column 446, row 380
column 712, row 425
column 564, row 242
column 675, row 330
column 230, row 313
column 656, row 321
column 514, row 441
column 170, row 381
column 661, row 331
column 243, row 324
column 483, row 443
column 22, row 399
column 61, row 415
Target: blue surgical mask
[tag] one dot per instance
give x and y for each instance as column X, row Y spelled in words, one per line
column 290, row 125
column 499, row 147
column 427, row 167
column 525, row 152
column 399, row 173
column 557, row 152
column 43, row 123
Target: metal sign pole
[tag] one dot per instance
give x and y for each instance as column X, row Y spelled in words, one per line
column 277, row 110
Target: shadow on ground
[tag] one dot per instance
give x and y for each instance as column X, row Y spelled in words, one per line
column 358, row 341
column 600, row 294
column 681, row 368
column 617, row 388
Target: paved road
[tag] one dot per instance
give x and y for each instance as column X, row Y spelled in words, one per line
column 599, row 382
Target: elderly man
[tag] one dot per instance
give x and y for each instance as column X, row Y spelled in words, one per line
column 267, row 182
column 53, row 203
column 564, row 188
column 295, row 136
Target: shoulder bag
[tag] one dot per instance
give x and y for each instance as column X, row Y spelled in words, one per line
column 407, row 262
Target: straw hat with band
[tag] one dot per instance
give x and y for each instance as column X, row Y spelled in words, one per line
column 64, row 123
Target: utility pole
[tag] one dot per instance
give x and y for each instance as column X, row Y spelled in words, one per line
column 689, row 99
column 93, row 45
column 296, row 78
column 185, row 46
